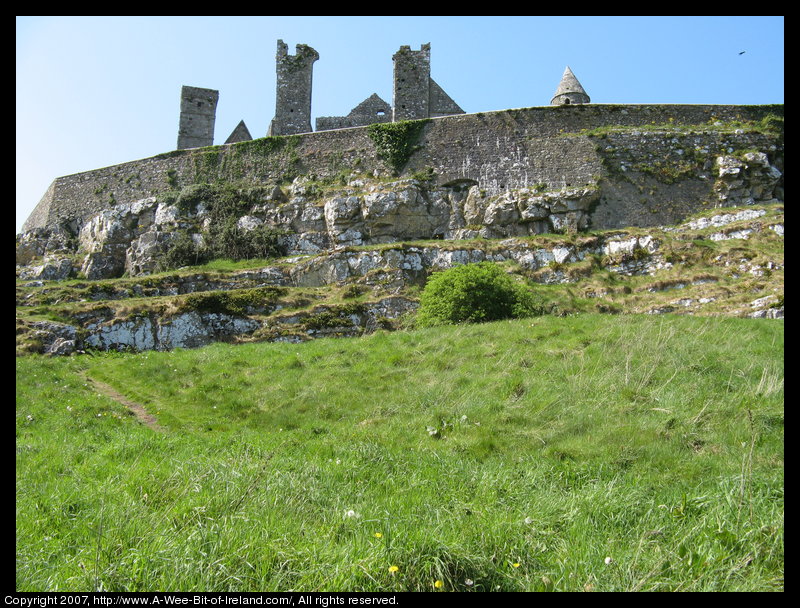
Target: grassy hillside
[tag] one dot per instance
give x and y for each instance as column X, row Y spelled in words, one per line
column 590, row 452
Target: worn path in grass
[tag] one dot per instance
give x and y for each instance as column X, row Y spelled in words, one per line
column 138, row 409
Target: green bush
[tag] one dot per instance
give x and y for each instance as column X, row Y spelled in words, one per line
column 237, row 302
column 474, row 293
column 224, row 240
column 227, row 240
column 226, row 204
column 183, row 251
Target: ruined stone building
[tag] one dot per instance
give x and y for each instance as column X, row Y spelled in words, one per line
column 240, row 133
column 293, row 96
column 415, row 96
column 373, row 109
column 198, row 116
column 198, row 113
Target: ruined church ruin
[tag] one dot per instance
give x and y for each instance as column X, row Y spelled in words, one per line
column 415, row 96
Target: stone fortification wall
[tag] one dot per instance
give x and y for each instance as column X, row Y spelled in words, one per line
column 518, row 148
column 72, row 198
column 543, row 148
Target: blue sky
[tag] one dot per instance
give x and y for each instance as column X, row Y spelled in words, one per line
column 98, row 91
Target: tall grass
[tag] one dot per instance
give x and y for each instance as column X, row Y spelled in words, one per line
column 584, row 453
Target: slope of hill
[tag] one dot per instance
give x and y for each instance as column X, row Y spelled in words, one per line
column 589, row 452
column 195, row 435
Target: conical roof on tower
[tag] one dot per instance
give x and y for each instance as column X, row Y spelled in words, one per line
column 569, row 90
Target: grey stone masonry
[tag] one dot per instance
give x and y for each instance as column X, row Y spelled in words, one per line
column 373, row 109
column 416, row 95
column 240, row 133
column 293, row 95
column 198, row 114
column 569, row 91
column 647, row 175
column 441, row 103
column 412, row 77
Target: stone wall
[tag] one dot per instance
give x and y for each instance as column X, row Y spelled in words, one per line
column 543, row 148
column 645, row 183
column 373, row 109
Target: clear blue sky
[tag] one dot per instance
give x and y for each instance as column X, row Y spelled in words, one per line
column 98, row 91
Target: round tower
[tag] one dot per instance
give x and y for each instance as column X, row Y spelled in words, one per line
column 569, row 91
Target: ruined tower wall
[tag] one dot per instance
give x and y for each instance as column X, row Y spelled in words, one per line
column 198, row 115
column 293, row 95
column 412, row 75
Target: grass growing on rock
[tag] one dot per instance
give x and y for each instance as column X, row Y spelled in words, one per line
column 592, row 452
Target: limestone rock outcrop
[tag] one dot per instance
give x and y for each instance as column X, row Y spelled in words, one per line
column 190, row 309
column 131, row 239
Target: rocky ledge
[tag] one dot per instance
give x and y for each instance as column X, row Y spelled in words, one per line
column 723, row 262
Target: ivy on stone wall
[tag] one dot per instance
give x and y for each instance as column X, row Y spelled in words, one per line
column 219, row 164
column 396, row 141
column 266, row 146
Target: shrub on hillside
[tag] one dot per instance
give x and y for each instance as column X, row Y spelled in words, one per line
column 182, row 251
column 474, row 293
column 225, row 241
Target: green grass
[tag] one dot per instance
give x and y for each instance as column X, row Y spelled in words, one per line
column 771, row 124
column 515, row 455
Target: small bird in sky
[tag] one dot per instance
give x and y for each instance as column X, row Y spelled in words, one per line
column 742, row 52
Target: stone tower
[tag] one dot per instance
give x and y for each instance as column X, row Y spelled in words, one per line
column 416, row 95
column 198, row 114
column 569, row 91
column 293, row 96
column 412, row 75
